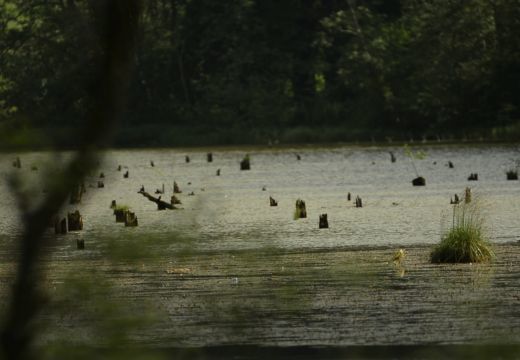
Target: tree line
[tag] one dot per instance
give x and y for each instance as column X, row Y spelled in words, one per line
column 257, row 71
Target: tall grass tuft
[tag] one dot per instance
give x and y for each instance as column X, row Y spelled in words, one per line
column 465, row 241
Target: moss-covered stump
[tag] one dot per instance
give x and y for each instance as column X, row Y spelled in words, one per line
column 75, row 221
column 323, row 222
column 419, row 181
column 272, row 202
column 300, row 212
column 245, row 164
column 130, row 219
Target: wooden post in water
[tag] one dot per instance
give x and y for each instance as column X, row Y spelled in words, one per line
column 359, row 202
column 187, row 159
column 209, row 157
column 392, row 157
column 323, row 223
column 300, row 211
column 349, row 197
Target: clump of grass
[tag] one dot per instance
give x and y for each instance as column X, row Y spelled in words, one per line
column 465, row 241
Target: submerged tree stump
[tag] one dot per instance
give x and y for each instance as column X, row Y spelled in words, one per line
column 152, row 163
column 187, row 158
column 126, row 174
column 218, row 172
column 130, row 219
column 392, row 157
column 101, row 175
column 473, row 177
column 323, row 223
column 455, row 200
column 80, row 244
column 175, row 201
column 75, row 221
column 419, row 181
column 118, row 167
column 512, row 175
column 272, row 202
column 467, row 195
column 450, row 164
column 349, row 197
column 60, row 226
column 359, row 202
column 209, row 157
column 245, row 163
column 17, row 163
column 176, row 189
column 120, row 214
column 100, row 184
column 113, row 204
column 298, row 157
column 300, row 211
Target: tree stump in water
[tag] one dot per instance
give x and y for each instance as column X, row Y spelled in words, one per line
column 75, row 221
column 450, row 164
column 349, row 197
column 17, row 163
column 174, row 200
column 130, row 219
column 101, row 176
column 298, row 157
column 209, row 157
column 100, row 184
column 152, row 163
column 419, row 181
column 473, row 177
column 187, row 158
column 392, row 157
column 176, row 189
column 324, row 223
column 455, row 200
column 126, row 174
column 245, row 163
column 120, row 214
column 76, row 194
column 467, row 195
column 512, row 175
column 118, row 167
column 272, row 202
column 80, row 244
column 113, row 205
column 359, row 202
column 218, row 172
column 60, row 226
column 34, row 168
column 300, row 211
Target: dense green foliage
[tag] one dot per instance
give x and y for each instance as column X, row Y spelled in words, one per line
column 251, row 71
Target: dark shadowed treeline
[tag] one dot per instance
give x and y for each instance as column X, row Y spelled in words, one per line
column 251, row 71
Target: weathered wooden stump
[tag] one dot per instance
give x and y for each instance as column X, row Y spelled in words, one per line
column 152, row 163
column 113, row 205
column 60, row 226
column 126, row 174
column 450, row 164
column 245, row 163
column 512, row 175
column 130, row 219
column 272, row 202
column 80, row 244
column 101, row 175
column 120, row 214
column 298, row 157
column 392, row 157
column 300, row 211
column 176, row 189
column 419, row 181
column 175, row 201
column 100, row 184
column 209, row 157
column 455, row 200
column 75, row 221
column 323, row 223
column 467, row 195
column 76, row 194
column 473, row 177
column 359, row 202
column 187, row 158
column 218, row 172
column 349, row 197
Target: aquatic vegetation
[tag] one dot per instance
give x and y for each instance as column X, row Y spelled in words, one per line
column 465, row 241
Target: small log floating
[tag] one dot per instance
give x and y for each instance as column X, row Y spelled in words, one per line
column 419, row 181
column 272, row 202
column 300, row 211
column 473, row 177
column 323, row 223
column 161, row 205
column 130, row 219
column 245, row 164
column 359, row 202
column 75, row 221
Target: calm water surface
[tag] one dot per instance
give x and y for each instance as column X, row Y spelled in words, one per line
column 232, row 211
